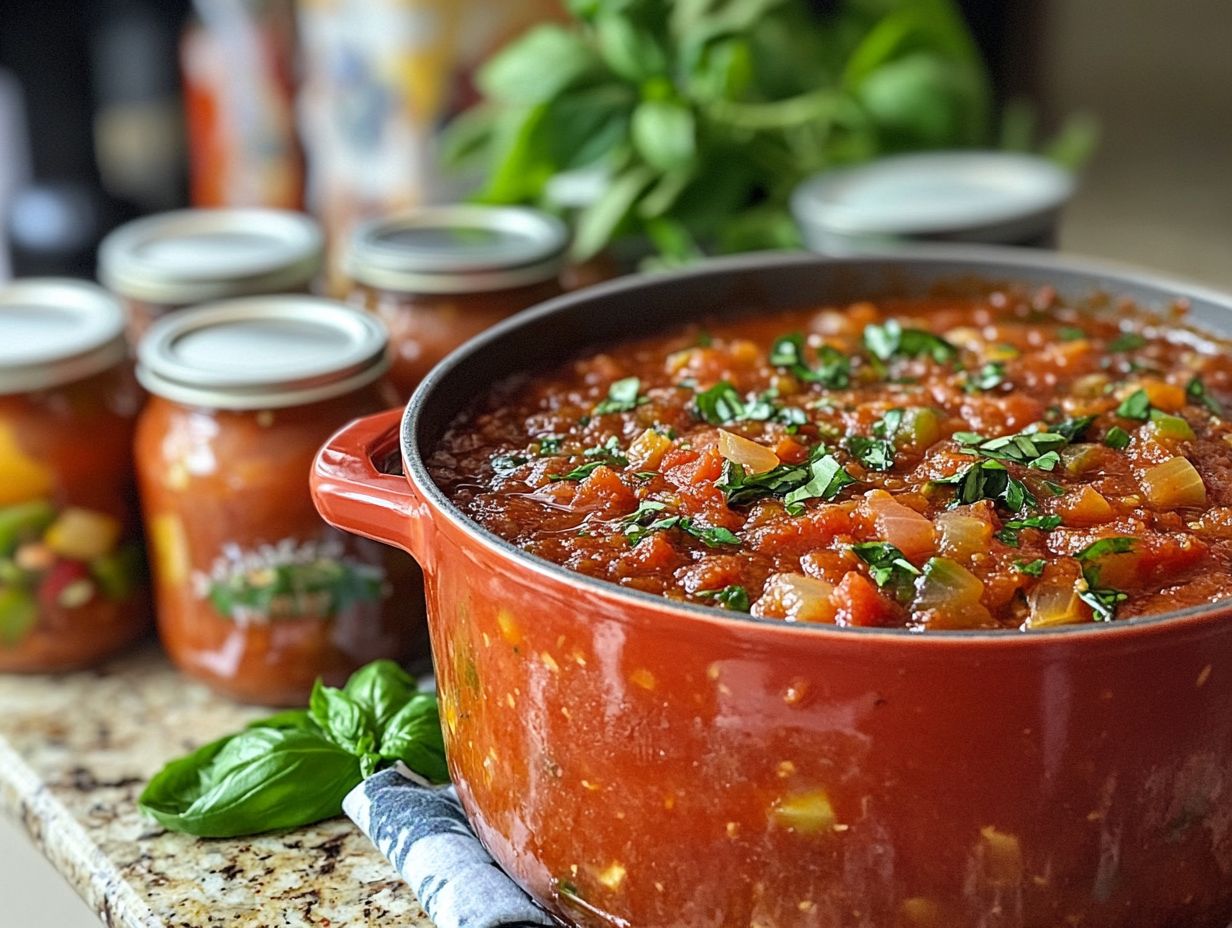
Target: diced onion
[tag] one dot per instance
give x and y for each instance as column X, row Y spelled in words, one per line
column 757, row 458
column 1175, row 482
column 796, row 598
column 901, row 525
column 647, row 450
column 1054, row 601
column 947, row 584
column 1086, row 507
column 963, row 535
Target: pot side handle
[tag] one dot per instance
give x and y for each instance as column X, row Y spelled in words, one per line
column 350, row 492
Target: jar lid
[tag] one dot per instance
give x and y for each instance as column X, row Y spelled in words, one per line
column 55, row 331
column 193, row 255
column 988, row 196
column 262, row 353
column 458, row 249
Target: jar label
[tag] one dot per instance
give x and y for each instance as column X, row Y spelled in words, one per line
column 288, row 580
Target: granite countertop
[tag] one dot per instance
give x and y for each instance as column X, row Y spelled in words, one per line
column 75, row 752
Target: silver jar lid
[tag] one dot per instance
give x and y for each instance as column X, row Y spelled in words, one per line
column 265, row 352
column 458, row 249
column 975, row 196
column 55, row 331
column 193, row 255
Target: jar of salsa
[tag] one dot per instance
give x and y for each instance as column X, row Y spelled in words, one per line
column 441, row 275
column 71, row 580
column 256, row 595
column 166, row 262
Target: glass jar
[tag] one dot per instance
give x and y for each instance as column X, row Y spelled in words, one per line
column 441, row 275
column 167, row 262
column 72, row 588
column 257, row 595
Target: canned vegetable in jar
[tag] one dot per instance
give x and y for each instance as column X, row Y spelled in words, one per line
column 163, row 263
column 71, row 580
column 441, row 275
column 256, row 594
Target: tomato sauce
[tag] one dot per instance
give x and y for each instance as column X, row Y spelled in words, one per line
column 1002, row 461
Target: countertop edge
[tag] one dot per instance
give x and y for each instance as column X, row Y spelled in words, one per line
column 66, row 844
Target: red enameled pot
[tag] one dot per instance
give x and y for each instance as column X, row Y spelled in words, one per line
column 636, row 762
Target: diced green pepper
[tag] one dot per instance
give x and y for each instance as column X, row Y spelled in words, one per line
column 18, row 615
column 117, row 573
column 1169, row 427
column 922, row 428
column 22, row 522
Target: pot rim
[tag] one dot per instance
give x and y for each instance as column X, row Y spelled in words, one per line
column 995, row 260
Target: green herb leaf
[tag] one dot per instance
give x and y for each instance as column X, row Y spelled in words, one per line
column 833, row 370
column 887, row 565
column 664, row 133
column 413, row 736
column 720, row 405
column 1103, row 601
column 1117, row 438
column 609, row 453
column 1011, row 529
column 873, row 453
column 988, row 377
column 891, row 340
column 1073, row 429
column 1031, row 568
column 346, row 723
column 537, row 67
column 550, row 445
column 1126, row 341
column 1119, row 544
column 1069, row 333
column 827, row 479
column 622, row 396
column 580, row 472
column 733, row 597
column 1197, row 393
column 506, row 464
column 1135, row 406
column 380, row 688
column 990, row 480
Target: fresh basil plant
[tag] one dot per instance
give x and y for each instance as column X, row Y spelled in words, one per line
column 295, row 767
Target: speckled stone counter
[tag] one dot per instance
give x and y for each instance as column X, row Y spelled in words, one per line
column 75, row 752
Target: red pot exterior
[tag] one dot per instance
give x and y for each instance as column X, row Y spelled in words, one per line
column 632, row 763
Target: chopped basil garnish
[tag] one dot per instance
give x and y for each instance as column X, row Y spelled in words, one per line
column 833, row 367
column 506, row 464
column 1196, row 391
column 1102, row 600
column 1117, row 438
column 733, row 597
column 990, row 480
column 1126, row 341
column 821, row 476
column 887, row 565
column 1069, row 333
column 609, row 453
column 723, row 405
column 1135, row 406
column 888, row 425
column 1010, row 531
column 550, row 444
column 988, row 377
column 637, row 527
column 1073, row 429
column 1030, row 568
column 873, row 453
column 1034, row 449
column 622, row 396
column 891, row 340
column 578, row 473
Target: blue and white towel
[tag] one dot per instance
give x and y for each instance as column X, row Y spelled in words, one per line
column 422, row 830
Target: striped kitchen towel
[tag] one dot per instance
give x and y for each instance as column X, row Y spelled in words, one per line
column 422, row 830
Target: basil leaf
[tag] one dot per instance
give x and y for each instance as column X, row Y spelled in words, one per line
column 609, row 453
column 1135, row 406
column 833, row 370
column 537, row 67
column 260, row 779
column 1069, row 333
column 1117, row 438
column 413, row 736
column 990, row 480
column 887, row 565
column 1102, row 600
column 873, row 453
column 664, row 133
column 1031, row 568
column 505, row 464
column 1197, row 392
column 827, row 479
column 891, row 340
column 1126, row 341
column 381, row 689
column 720, row 405
column 733, row 597
column 345, row 722
column 1009, row 531
column 622, row 396
column 988, row 377
column 1119, row 544
column 578, row 473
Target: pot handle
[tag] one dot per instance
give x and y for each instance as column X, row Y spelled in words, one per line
column 351, row 494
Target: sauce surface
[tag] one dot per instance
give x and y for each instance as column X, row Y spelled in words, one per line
column 1000, row 461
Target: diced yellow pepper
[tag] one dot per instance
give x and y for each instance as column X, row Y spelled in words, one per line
column 82, row 534
column 22, row 478
column 169, row 548
column 805, row 813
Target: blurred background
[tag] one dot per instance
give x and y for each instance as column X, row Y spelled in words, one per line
column 110, row 109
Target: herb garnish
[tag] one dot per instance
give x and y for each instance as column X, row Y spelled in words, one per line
column 733, row 597
column 891, row 340
column 609, row 453
column 1135, row 406
column 989, row 480
column 580, row 472
column 506, row 464
column 636, row 527
column 887, row 565
column 1117, row 438
column 988, row 377
column 1126, row 341
column 1010, row 531
column 550, row 444
column 819, row 477
column 873, row 453
column 1197, row 392
column 1032, row 449
column 833, row 370
column 1031, row 568
column 622, row 396
column 723, row 405
column 1102, row 600
column 1069, row 333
